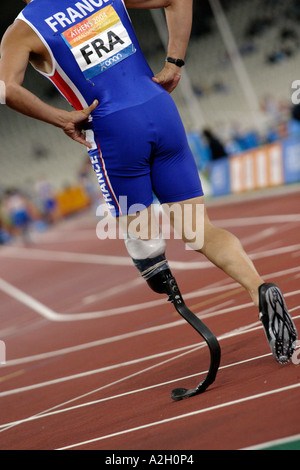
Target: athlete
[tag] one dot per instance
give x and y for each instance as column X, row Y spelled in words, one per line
column 127, row 119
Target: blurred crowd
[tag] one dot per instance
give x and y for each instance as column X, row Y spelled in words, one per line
column 24, row 212
column 20, row 212
column 284, row 121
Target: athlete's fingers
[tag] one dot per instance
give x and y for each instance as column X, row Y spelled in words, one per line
column 75, row 124
column 168, row 85
column 84, row 113
column 75, row 133
column 168, row 78
column 81, row 139
column 91, row 108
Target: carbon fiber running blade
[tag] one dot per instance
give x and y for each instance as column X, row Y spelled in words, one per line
column 215, row 351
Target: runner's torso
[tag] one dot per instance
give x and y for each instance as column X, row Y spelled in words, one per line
column 95, row 53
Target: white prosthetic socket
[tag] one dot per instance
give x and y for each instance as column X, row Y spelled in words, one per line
column 147, row 255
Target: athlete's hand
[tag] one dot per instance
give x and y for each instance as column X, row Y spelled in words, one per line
column 74, row 124
column 169, row 77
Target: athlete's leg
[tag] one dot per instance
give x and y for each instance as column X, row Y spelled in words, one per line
column 224, row 250
column 221, row 247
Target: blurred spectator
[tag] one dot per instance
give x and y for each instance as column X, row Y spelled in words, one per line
column 272, row 135
column 4, row 236
column 257, row 26
column 273, row 109
column 18, row 213
column 47, row 199
column 280, row 54
column 249, row 140
column 232, row 147
column 295, row 112
column 216, row 147
column 294, row 123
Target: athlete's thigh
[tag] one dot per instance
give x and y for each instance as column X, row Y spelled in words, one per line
column 174, row 172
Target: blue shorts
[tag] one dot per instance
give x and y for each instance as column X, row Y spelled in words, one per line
column 143, row 151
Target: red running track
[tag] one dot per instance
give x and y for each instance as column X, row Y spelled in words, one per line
column 93, row 354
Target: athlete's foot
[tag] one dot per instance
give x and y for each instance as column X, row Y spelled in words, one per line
column 279, row 327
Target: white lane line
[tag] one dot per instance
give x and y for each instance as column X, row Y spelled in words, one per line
column 51, row 315
column 26, row 299
column 191, row 348
column 98, row 371
column 258, row 220
column 124, row 336
column 60, row 256
column 123, row 379
column 256, row 237
column 233, row 333
column 115, row 290
column 184, row 416
column 67, row 236
column 242, row 330
column 64, row 256
column 274, row 252
column 54, row 411
column 92, row 344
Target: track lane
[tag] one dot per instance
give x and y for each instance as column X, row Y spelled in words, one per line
column 39, row 335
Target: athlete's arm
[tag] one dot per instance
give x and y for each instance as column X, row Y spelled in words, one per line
column 179, row 15
column 18, row 45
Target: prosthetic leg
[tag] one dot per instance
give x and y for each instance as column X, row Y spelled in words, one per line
column 149, row 258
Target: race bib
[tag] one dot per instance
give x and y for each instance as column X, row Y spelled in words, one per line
column 99, row 42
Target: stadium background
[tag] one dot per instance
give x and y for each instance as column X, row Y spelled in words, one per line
column 91, row 352
column 237, row 85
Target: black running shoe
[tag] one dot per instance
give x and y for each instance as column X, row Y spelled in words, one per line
column 279, row 327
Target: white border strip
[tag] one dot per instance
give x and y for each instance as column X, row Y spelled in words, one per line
column 277, row 442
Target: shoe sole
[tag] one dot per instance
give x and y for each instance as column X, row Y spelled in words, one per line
column 279, row 327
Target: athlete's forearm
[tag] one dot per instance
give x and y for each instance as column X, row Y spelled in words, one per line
column 179, row 16
column 23, row 101
column 71, row 122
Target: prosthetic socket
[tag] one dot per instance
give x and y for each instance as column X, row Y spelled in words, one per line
column 149, row 258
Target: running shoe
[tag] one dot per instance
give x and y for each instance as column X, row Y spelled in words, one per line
column 279, row 327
